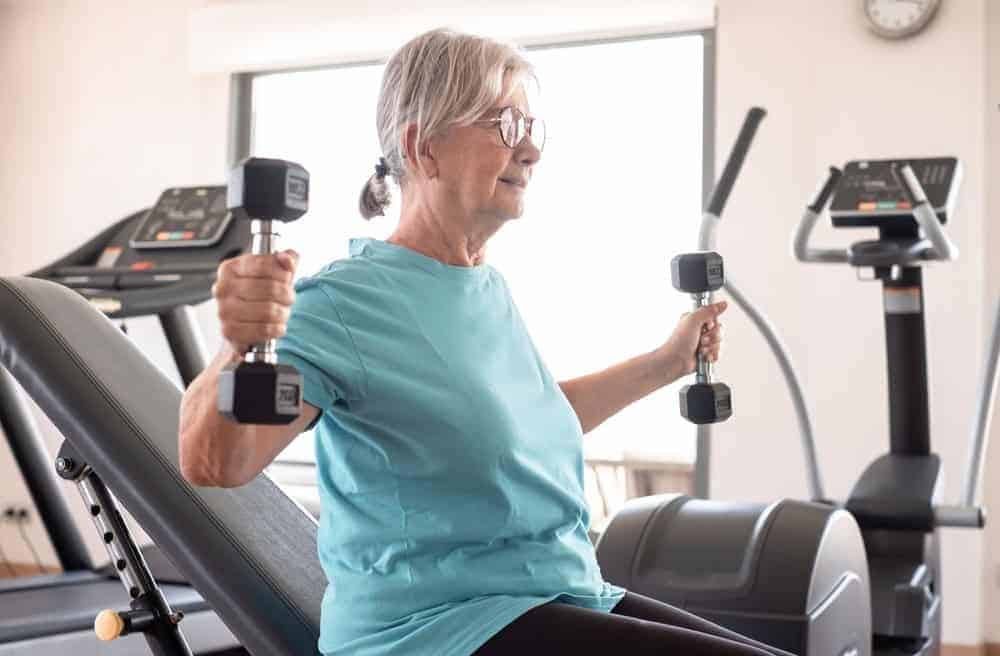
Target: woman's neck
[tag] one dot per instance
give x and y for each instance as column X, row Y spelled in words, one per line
column 447, row 239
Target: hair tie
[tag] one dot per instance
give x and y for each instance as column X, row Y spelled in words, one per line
column 381, row 169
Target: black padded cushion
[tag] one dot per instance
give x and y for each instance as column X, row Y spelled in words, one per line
column 250, row 551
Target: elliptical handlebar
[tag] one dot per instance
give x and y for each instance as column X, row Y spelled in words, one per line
column 734, row 163
column 706, row 242
column 984, row 417
column 942, row 248
column 800, row 245
column 720, row 194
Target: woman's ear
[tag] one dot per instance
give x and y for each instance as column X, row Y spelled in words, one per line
column 421, row 158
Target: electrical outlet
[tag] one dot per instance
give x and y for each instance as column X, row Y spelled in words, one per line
column 16, row 515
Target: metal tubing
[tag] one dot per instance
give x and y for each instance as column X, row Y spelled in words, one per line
column 735, row 160
column 906, row 362
column 984, row 416
column 702, row 462
column 944, row 248
column 800, row 242
column 826, row 190
column 804, row 253
column 114, row 533
column 706, row 241
column 185, row 342
column 264, row 242
column 703, row 368
column 706, row 232
column 959, row 517
column 163, row 637
column 780, row 353
column 35, row 463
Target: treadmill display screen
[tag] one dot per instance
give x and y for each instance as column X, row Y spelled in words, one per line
column 184, row 217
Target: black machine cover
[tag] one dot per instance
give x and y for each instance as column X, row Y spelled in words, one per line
column 250, row 551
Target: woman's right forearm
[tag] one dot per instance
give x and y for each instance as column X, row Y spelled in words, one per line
column 254, row 294
column 213, row 450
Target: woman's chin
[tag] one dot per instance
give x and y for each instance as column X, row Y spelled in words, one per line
column 513, row 208
column 513, row 214
column 505, row 212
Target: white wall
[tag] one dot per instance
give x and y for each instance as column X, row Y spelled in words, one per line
column 98, row 96
column 836, row 92
column 98, row 114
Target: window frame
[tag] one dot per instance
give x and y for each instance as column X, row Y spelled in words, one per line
column 240, row 130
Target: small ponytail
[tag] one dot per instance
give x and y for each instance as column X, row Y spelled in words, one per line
column 375, row 195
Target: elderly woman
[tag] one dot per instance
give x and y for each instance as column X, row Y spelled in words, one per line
column 449, row 460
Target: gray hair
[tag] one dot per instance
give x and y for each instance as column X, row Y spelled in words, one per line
column 438, row 79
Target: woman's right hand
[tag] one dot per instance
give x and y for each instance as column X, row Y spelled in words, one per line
column 254, row 294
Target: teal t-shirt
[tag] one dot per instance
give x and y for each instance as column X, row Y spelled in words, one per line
column 449, row 462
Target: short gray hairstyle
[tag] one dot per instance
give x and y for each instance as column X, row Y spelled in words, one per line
column 436, row 80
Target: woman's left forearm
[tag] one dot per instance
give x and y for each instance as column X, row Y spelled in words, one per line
column 597, row 396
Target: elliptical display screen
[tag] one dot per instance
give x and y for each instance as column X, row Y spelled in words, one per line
column 184, row 217
column 870, row 192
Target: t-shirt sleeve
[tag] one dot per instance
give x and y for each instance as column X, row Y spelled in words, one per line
column 320, row 346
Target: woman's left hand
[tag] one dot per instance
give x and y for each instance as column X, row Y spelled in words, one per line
column 696, row 332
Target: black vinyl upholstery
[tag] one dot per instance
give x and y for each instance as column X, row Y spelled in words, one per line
column 250, row 551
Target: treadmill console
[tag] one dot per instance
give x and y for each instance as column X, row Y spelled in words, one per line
column 871, row 194
column 158, row 258
column 184, row 217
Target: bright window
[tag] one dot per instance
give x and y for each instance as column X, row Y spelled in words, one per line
column 617, row 193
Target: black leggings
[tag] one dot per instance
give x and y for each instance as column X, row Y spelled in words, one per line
column 638, row 626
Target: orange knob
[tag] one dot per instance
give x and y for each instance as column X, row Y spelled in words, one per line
column 108, row 625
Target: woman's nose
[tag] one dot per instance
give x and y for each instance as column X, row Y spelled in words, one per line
column 527, row 153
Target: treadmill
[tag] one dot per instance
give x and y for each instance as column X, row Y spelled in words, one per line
column 159, row 261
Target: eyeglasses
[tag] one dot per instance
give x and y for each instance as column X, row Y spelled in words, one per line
column 514, row 126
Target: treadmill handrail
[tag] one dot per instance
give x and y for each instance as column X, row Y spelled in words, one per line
column 78, row 270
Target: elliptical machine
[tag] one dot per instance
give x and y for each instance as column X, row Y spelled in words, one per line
column 791, row 574
column 897, row 499
column 797, row 575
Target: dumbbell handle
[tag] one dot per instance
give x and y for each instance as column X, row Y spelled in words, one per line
column 264, row 242
column 703, row 368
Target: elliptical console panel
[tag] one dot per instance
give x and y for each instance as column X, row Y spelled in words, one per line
column 871, row 194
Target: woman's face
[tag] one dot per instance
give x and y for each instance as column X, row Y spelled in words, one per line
column 478, row 175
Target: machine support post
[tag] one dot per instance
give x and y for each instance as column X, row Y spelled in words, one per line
column 150, row 613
